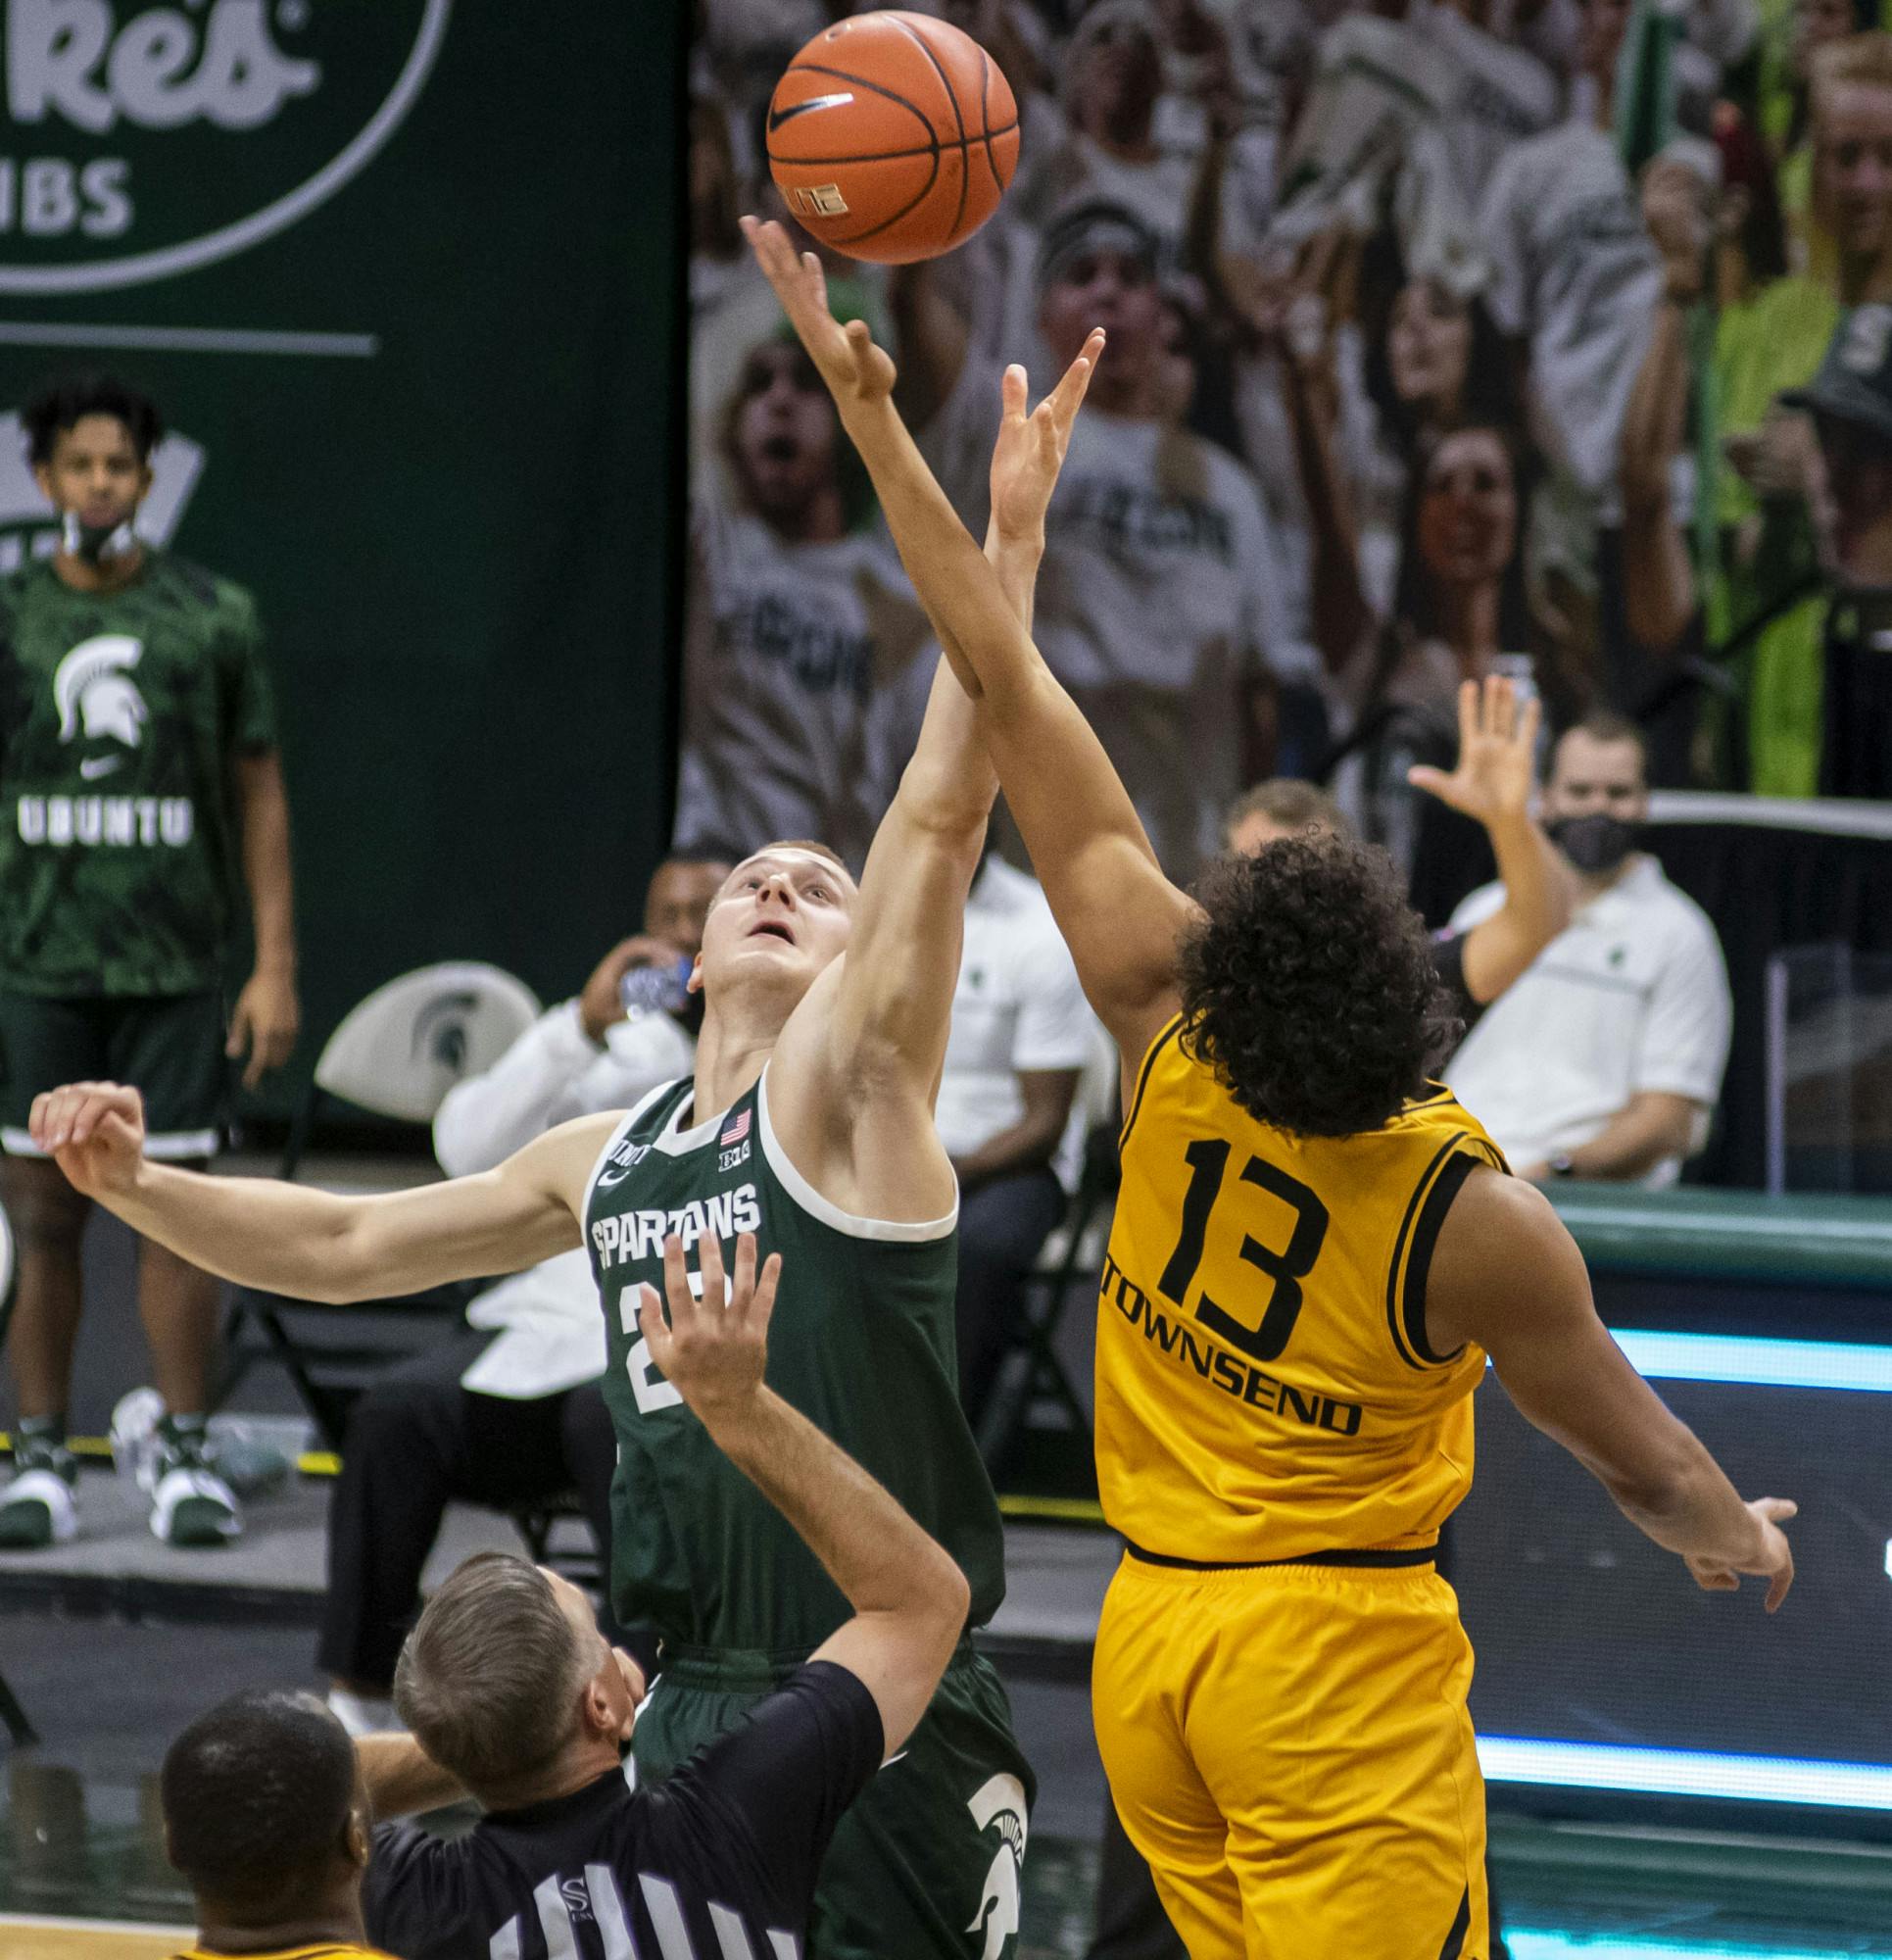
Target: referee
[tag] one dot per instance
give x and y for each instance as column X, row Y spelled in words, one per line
column 507, row 1685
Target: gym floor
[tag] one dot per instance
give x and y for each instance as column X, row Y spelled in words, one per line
column 79, row 1835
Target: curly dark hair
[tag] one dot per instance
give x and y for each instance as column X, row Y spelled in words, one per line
column 65, row 401
column 1308, row 987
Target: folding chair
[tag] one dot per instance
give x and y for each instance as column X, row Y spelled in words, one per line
column 10, row 1712
column 396, row 1054
column 1031, row 1390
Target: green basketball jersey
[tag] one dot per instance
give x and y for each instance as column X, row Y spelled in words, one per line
column 861, row 1342
column 119, row 716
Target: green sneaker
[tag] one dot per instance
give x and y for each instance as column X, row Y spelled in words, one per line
column 192, row 1505
column 39, row 1506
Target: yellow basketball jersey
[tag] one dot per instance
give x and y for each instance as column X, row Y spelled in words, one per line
column 1265, row 1388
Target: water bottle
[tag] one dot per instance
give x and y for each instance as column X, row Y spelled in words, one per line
column 655, row 990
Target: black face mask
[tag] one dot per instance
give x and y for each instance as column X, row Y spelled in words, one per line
column 95, row 543
column 1594, row 844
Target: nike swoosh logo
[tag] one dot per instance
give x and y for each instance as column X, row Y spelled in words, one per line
column 777, row 117
column 94, row 766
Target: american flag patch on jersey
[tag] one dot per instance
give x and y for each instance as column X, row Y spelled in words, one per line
column 735, row 1130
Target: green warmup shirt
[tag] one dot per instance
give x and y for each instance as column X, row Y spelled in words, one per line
column 119, row 716
column 861, row 1342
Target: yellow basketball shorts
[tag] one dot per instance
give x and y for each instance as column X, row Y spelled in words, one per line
column 1289, row 1747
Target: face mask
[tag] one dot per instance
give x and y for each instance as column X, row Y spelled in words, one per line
column 94, row 544
column 1594, row 844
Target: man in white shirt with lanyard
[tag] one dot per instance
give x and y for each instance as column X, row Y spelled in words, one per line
column 1605, row 1059
column 525, row 1419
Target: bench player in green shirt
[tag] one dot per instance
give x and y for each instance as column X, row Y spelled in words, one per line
column 809, row 1123
column 139, row 788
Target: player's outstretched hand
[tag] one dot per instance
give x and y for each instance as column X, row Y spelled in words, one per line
column 714, row 1349
column 1772, row 1559
column 1030, row 451
column 95, row 1132
column 845, row 357
column 1497, row 747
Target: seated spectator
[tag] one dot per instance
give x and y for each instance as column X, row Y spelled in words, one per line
column 508, row 1413
column 1022, row 1033
column 507, row 1685
column 266, row 1818
column 800, row 616
column 1159, row 604
column 1490, row 785
column 1605, row 1059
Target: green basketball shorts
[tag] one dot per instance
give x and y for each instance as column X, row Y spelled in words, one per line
column 168, row 1047
column 926, row 1863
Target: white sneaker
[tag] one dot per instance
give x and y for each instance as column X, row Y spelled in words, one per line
column 134, row 1437
column 38, row 1508
column 194, row 1507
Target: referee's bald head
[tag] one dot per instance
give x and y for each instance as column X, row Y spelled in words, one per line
column 261, row 1807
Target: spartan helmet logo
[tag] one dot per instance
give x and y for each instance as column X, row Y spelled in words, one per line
column 1000, row 1802
column 94, row 694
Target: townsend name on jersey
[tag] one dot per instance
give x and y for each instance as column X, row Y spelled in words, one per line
column 1186, row 1347
column 623, row 1238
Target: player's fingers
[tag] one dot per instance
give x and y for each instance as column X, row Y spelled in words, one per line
column 239, row 1035
column 710, row 1262
column 1779, row 1587
column 1422, row 776
column 649, row 1317
column 1073, row 384
column 745, row 1286
column 1500, row 706
column 1776, row 1510
column 86, row 1117
column 1011, row 393
column 676, row 1281
column 764, row 1301
column 1468, row 714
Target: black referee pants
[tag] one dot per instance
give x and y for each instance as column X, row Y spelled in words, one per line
column 416, row 1442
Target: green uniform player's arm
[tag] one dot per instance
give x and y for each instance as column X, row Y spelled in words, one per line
column 1118, row 913
column 317, row 1245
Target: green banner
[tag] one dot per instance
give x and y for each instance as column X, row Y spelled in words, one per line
column 400, row 274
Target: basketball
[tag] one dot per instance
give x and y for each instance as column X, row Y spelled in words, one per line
column 891, row 137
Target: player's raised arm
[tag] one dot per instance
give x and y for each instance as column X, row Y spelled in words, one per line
column 1118, row 912
column 1491, row 783
column 318, row 1245
column 1507, row 1275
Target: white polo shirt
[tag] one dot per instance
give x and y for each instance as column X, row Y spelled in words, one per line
column 1018, row 1005
column 551, row 1328
column 1632, row 996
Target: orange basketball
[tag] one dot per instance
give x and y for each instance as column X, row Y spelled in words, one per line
column 893, row 136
